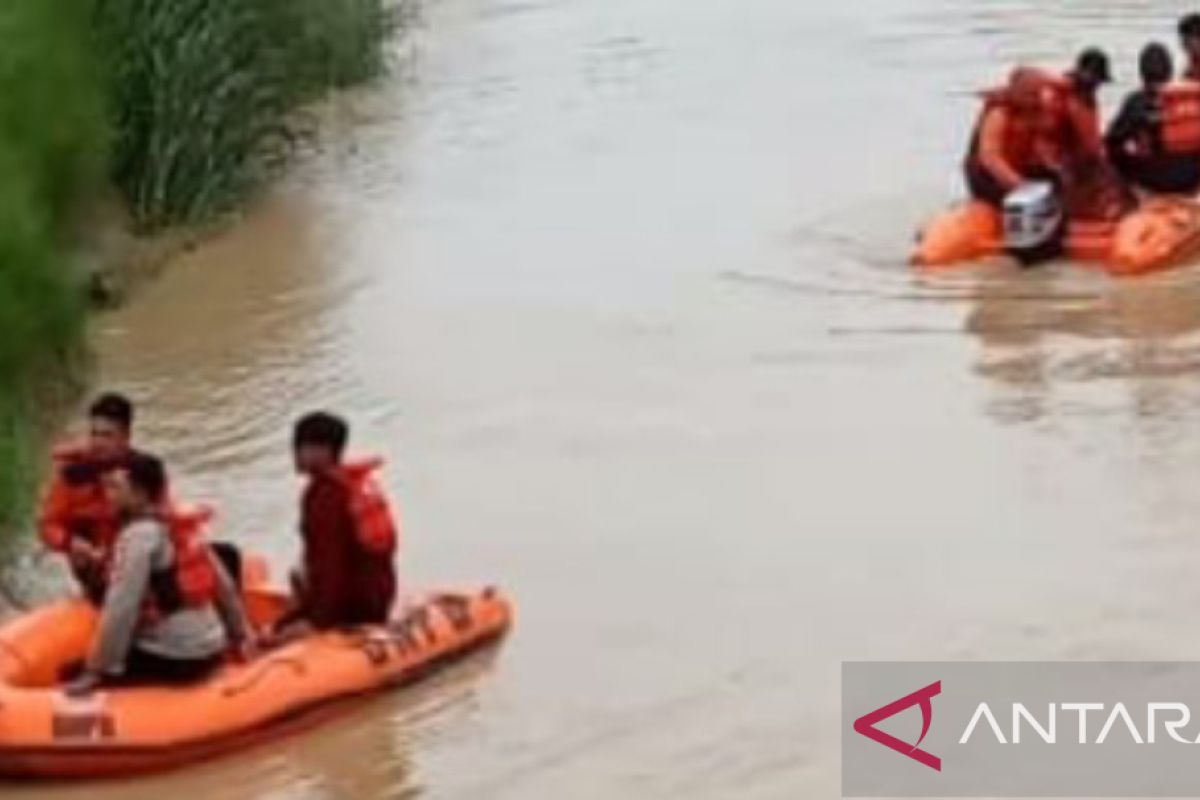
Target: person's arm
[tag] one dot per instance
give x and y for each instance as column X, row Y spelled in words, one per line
column 1123, row 129
column 132, row 566
column 1085, row 122
column 992, row 134
column 53, row 519
column 229, row 605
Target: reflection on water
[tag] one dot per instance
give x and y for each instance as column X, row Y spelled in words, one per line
column 618, row 288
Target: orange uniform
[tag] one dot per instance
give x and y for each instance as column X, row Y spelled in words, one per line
column 1179, row 123
column 374, row 521
column 1037, row 126
column 1007, row 146
column 76, row 508
column 76, row 504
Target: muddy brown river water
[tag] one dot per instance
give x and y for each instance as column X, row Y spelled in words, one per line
column 618, row 288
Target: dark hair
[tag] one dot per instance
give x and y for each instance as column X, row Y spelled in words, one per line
column 1156, row 65
column 1093, row 63
column 148, row 474
column 114, row 407
column 323, row 429
column 1189, row 26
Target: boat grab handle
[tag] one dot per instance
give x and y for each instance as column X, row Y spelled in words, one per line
column 296, row 664
column 17, row 655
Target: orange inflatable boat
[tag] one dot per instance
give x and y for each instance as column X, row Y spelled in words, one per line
column 1162, row 233
column 46, row 734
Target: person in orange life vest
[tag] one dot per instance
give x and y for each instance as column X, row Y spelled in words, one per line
column 1090, row 187
column 1154, row 142
column 349, row 534
column 1013, row 137
column 77, row 519
column 171, row 612
column 1189, row 38
column 1042, row 127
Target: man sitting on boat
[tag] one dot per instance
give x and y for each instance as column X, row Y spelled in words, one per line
column 171, row 611
column 349, row 533
column 1154, row 142
column 77, row 518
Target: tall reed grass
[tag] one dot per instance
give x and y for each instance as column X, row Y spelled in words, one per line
column 202, row 91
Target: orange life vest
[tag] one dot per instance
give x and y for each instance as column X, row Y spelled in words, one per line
column 191, row 580
column 77, row 503
column 374, row 522
column 1025, row 132
column 1179, row 104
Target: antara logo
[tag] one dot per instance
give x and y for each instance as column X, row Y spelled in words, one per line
column 923, row 698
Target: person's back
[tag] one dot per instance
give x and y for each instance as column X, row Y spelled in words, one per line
column 346, row 584
column 1176, row 158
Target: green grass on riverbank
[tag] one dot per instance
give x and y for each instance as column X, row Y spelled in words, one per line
column 185, row 106
column 53, row 137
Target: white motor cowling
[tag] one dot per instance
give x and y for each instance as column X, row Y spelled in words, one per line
column 1034, row 222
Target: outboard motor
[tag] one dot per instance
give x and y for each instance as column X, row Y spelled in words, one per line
column 1035, row 225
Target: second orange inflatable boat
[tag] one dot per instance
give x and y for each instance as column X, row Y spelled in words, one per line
column 1162, row 233
column 46, row 734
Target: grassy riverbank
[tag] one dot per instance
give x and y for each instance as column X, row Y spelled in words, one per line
column 185, row 107
column 53, row 141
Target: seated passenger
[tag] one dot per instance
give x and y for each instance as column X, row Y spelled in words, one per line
column 349, row 534
column 1154, row 142
column 171, row 613
column 77, row 519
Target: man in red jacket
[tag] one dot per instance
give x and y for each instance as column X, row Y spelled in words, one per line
column 348, row 575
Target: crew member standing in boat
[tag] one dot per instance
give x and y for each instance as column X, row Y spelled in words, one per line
column 171, row 611
column 77, row 518
column 349, row 534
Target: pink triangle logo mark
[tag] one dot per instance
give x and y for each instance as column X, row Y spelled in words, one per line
column 923, row 697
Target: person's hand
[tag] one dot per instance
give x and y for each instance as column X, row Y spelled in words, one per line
column 83, row 686
column 246, row 650
column 282, row 635
column 82, row 553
